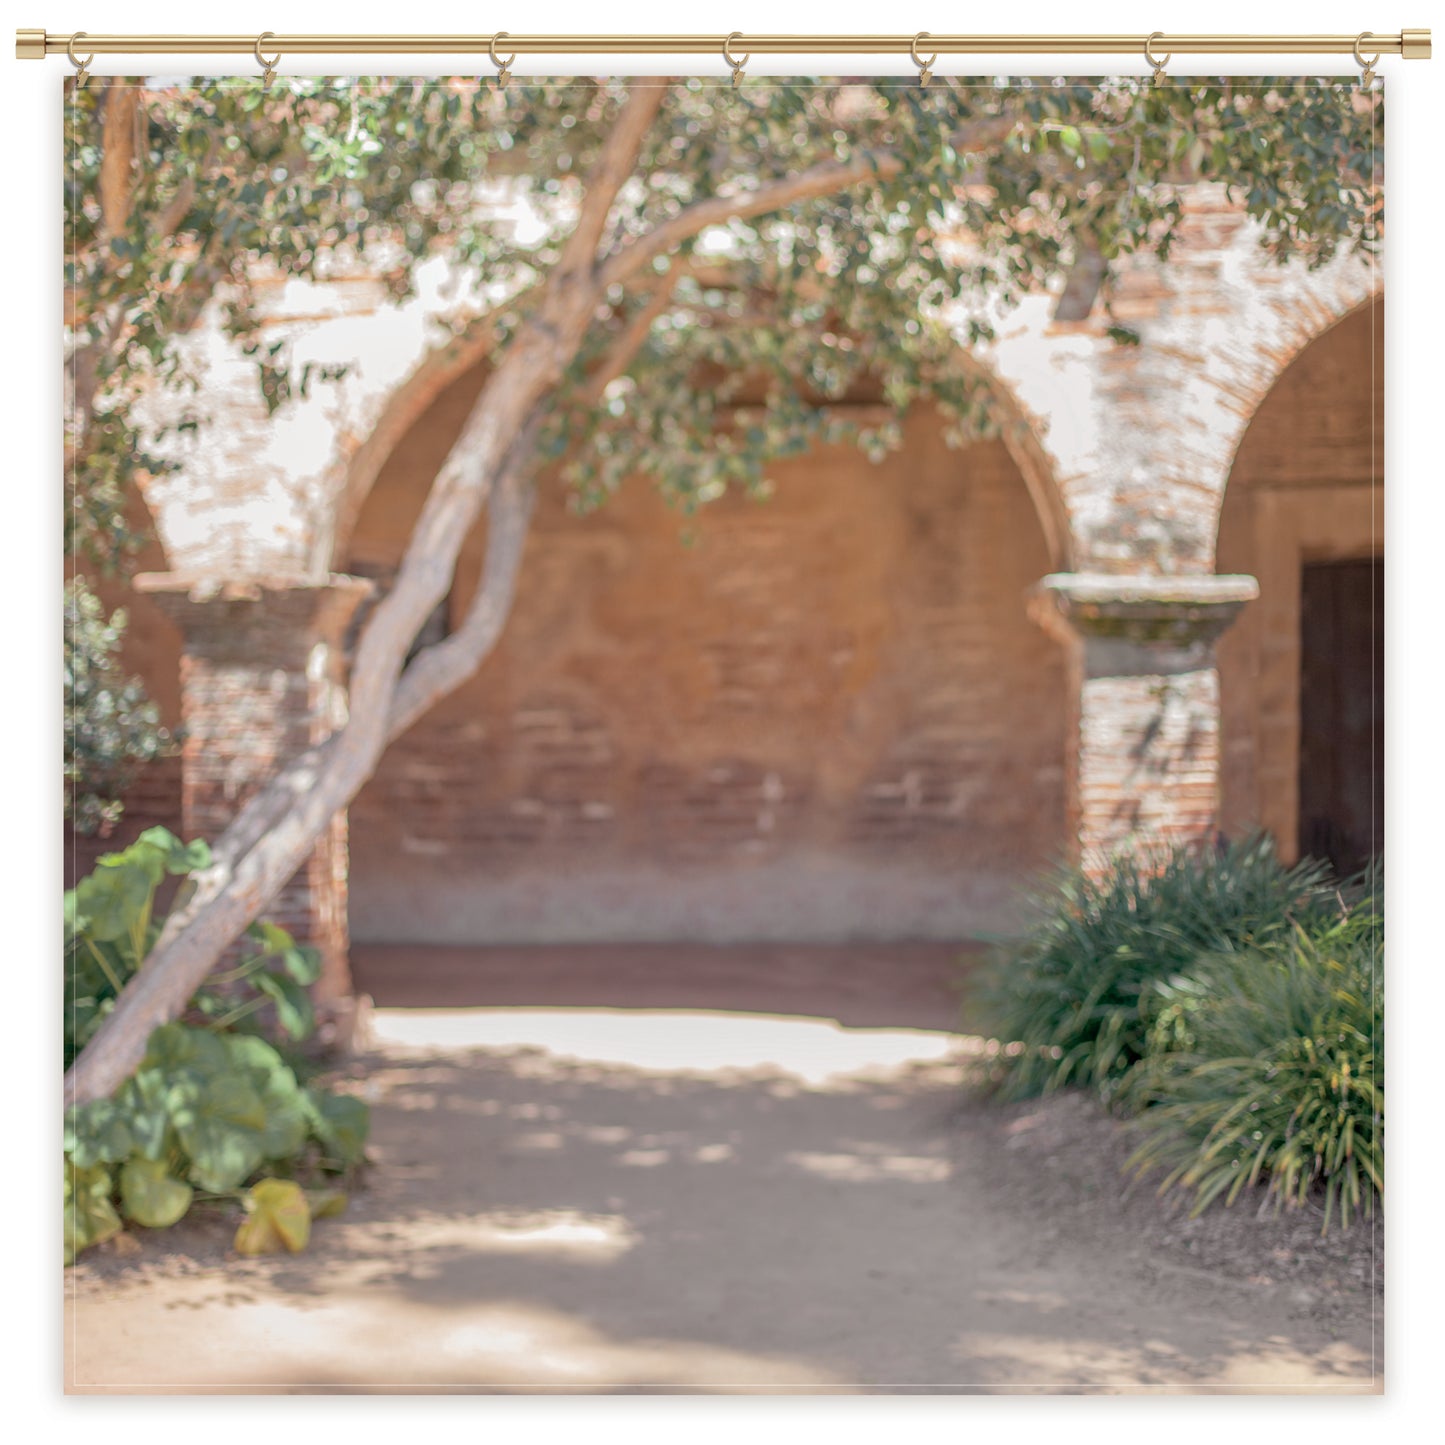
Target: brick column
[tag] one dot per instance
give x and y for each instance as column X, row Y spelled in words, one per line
column 1144, row 743
column 262, row 677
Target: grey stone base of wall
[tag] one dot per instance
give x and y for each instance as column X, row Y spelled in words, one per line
column 801, row 900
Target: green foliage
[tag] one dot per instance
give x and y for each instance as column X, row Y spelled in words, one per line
column 110, row 928
column 1233, row 1005
column 150, row 1195
column 1281, row 1077
column 206, row 1111
column 90, row 1215
column 749, row 325
column 212, row 1103
column 1078, row 999
column 111, row 727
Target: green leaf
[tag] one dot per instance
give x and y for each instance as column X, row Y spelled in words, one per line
column 179, row 858
column 341, row 1123
column 287, row 1123
column 293, row 1005
column 143, row 1098
column 303, row 963
column 90, row 1217
column 279, row 1218
column 98, row 1133
column 145, row 855
column 221, row 1124
column 176, row 1049
column 112, row 899
column 150, row 1196
column 271, row 936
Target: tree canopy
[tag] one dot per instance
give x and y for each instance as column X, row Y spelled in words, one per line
column 894, row 209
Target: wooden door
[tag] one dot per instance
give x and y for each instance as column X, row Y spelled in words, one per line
column 1342, row 699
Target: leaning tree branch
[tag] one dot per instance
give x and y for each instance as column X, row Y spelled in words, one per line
column 821, row 180
column 443, row 667
column 252, row 864
column 624, row 350
column 615, row 164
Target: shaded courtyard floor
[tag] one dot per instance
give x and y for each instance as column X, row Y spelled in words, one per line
column 679, row 1196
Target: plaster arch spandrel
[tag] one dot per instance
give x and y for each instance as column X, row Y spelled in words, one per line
column 1141, row 439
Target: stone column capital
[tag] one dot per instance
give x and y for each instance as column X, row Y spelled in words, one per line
column 1172, row 621
column 222, row 614
column 1168, row 610
column 1144, row 755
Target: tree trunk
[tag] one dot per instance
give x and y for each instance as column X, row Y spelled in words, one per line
column 276, row 829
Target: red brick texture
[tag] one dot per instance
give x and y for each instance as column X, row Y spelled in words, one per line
column 827, row 718
column 261, row 679
column 1144, row 745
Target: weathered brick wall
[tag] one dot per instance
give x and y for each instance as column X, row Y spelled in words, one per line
column 1144, row 746
column 1141, row 439
column 261, row 680
column 830, row 715
column 827, row 717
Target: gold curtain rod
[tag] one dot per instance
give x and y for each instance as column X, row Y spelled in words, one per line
column 38, row 44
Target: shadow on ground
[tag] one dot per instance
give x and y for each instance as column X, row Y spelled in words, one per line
column 820, row 1214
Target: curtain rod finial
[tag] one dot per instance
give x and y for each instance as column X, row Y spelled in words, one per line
column 30, row 44
column 1415, row 44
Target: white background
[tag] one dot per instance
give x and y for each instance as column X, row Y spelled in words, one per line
column 30, row 716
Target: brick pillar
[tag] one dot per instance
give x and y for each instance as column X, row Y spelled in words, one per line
column 262, row 678
column 1144, row 743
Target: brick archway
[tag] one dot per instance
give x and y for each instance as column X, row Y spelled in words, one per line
column 829, row 718
column 1305, row 489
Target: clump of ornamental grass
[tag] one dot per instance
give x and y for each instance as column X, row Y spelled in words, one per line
column 1272, row 1072
column 1079, row 998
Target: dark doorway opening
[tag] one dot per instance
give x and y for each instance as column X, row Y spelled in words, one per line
column 1342, row 706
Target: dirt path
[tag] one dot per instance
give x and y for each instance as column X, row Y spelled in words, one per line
column 626, row 1200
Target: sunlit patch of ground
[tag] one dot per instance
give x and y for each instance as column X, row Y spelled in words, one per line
column 599, row 1199
column 812, row 1051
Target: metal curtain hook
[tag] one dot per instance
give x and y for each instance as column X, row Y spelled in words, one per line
column 1367, row 67
column 504, row 67
column 925, row 67
column 1157, row 64
column 268, row 67
column 737, row 65
column 82, row 67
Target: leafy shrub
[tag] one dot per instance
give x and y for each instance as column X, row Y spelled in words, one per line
column 213, row 1103
column 111, row 727
column 1281, row 1076
column 1079, row 998
column 110, row 927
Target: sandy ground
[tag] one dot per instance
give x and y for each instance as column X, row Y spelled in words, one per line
column 581, row 1199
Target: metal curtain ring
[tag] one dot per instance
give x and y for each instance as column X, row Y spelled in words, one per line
column 925, row 67
column 268, row 67
column 1367, row 67
column 1150, row 57
column 82, row 67
column 504, row 67
column 737, row 65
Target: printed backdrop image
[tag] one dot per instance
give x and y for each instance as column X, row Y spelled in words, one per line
column 723, row 736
